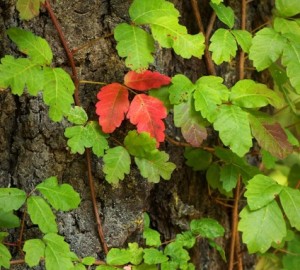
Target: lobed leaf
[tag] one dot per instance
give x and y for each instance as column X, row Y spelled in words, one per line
column 35, row 47
column 271, row 137
column 28, row 8
column 287, row 8
column 223, row 46
column 35, row 250
column 117, row 256
column 285, row 26
column 135, row 44
column 224, row 14
column 112, row 106
column 198, row 159
column 155, row 165
column 146, row 80
column 263, row 56
column 262, row 227
column 77, row 115
column 11, row 198
column 186, row 239
column 234, row 129
column 4, row 257
column 61, row 197
column 152, row 237
column 154, row 256
column 116, row 164
column 243, row 38
column 178, row 254
column 88, row 260
column 261, row 190
column 147, row 113
column 206, row 227
column 41, row 214
column 181, row 89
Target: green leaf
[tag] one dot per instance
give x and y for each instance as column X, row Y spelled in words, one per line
column 262, row 227
column 116, row 164
column 217, row 2
column 139, row 144
column 186, row 239
column 61, row 197
column 152, row 237
column 57, row 253
column 223, row 46
column 209, row 93
column 229, row 175
column 291, row 261
column 21, row 72
column 145, row 12
column 144, row 267
column 155, row 165
column 77, row 115
column 291, row 59
column 263, row 56
column 35, row 250
column 287, row 8
column 28, row 8
column 271, row 137
column 106, row 267
column 234, row 130
column 58, row 92
column 8, row 219
column 191, row 122
column 285, row 26
column 290, row 201
column 11, row 198
column 136, row 253
column 249, row 94
column 4, row 257
column 41, row 214
column 268, row 160
column 79, row 266
column 225, row 14
column 181, row 89
column 243, row 38
column 177, row 253
column 3, row 235
column 117, row 256
column 135, row 44
column 207, row 227
column 198, row 159
column 35, row 47
column 154, row 256
column 261, row 190
column 78, row 139
column 163, row 95
column 88, row 260
column 169, row 265
column 218, row 248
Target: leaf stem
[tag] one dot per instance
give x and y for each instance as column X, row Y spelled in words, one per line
column 19, row 241
column 243, row 27
column 91, row 82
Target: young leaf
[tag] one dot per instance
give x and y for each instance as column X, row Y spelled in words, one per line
column 152, row 237
column 249, row 94
column 57, row 253
column 41, row 214
column 4, row 257
column 28, row 8
column 181, row 89
column 206, row 227
column 234, row 130
column 11, row 198
column 198, row 159
column 243, row 38
column 178, row 254
column 225, row 14
column 271, row 137
column 146, row 80
column 287, row 8
column 217, row 2
column 106, row 267
column 229, row 175
column 35, row 47
column 285, row 26
column 154, row 256
column 58, row 92
column 155, row 165
column 262, row 227
column 142, row 12
column 21, row 72
column 61, row 197
column 116, row 164
column 209, row 93
column 261, row 190
column 133, row 255
column 139, row 144
column 263, row 56
column 147, row 113
column 186, row 239
column 135, row 44
column 191, row 122
column 88, row 260
column 112, row 106
column 8, row 219
column 223, row 46
column 221, row 251
column 77, row 115
column 290, row 201
column 35, row 250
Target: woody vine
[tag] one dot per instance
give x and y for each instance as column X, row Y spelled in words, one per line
column 270, row 220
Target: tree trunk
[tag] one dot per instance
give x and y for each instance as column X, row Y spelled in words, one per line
column 34, row 148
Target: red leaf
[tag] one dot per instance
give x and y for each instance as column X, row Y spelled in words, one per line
column 146, row 112
column 112, row 106
column 146, row 80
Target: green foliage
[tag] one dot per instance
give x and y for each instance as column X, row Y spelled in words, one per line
column 225, row 14
column 11, row 198
column 207, row 227
column 35, row 250
column 28, row 8
column 198, row 159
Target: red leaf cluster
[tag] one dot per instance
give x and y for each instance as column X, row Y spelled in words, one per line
column 144, row 111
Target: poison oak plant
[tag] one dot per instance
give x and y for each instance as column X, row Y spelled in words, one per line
column 270, row 220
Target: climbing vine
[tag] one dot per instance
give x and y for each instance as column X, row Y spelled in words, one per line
column 239, row 114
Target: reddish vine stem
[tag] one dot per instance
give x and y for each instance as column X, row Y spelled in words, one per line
column 207, row 57
column 77, row 102
column 19, row 241
column 243, row 27
column 234, row 223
